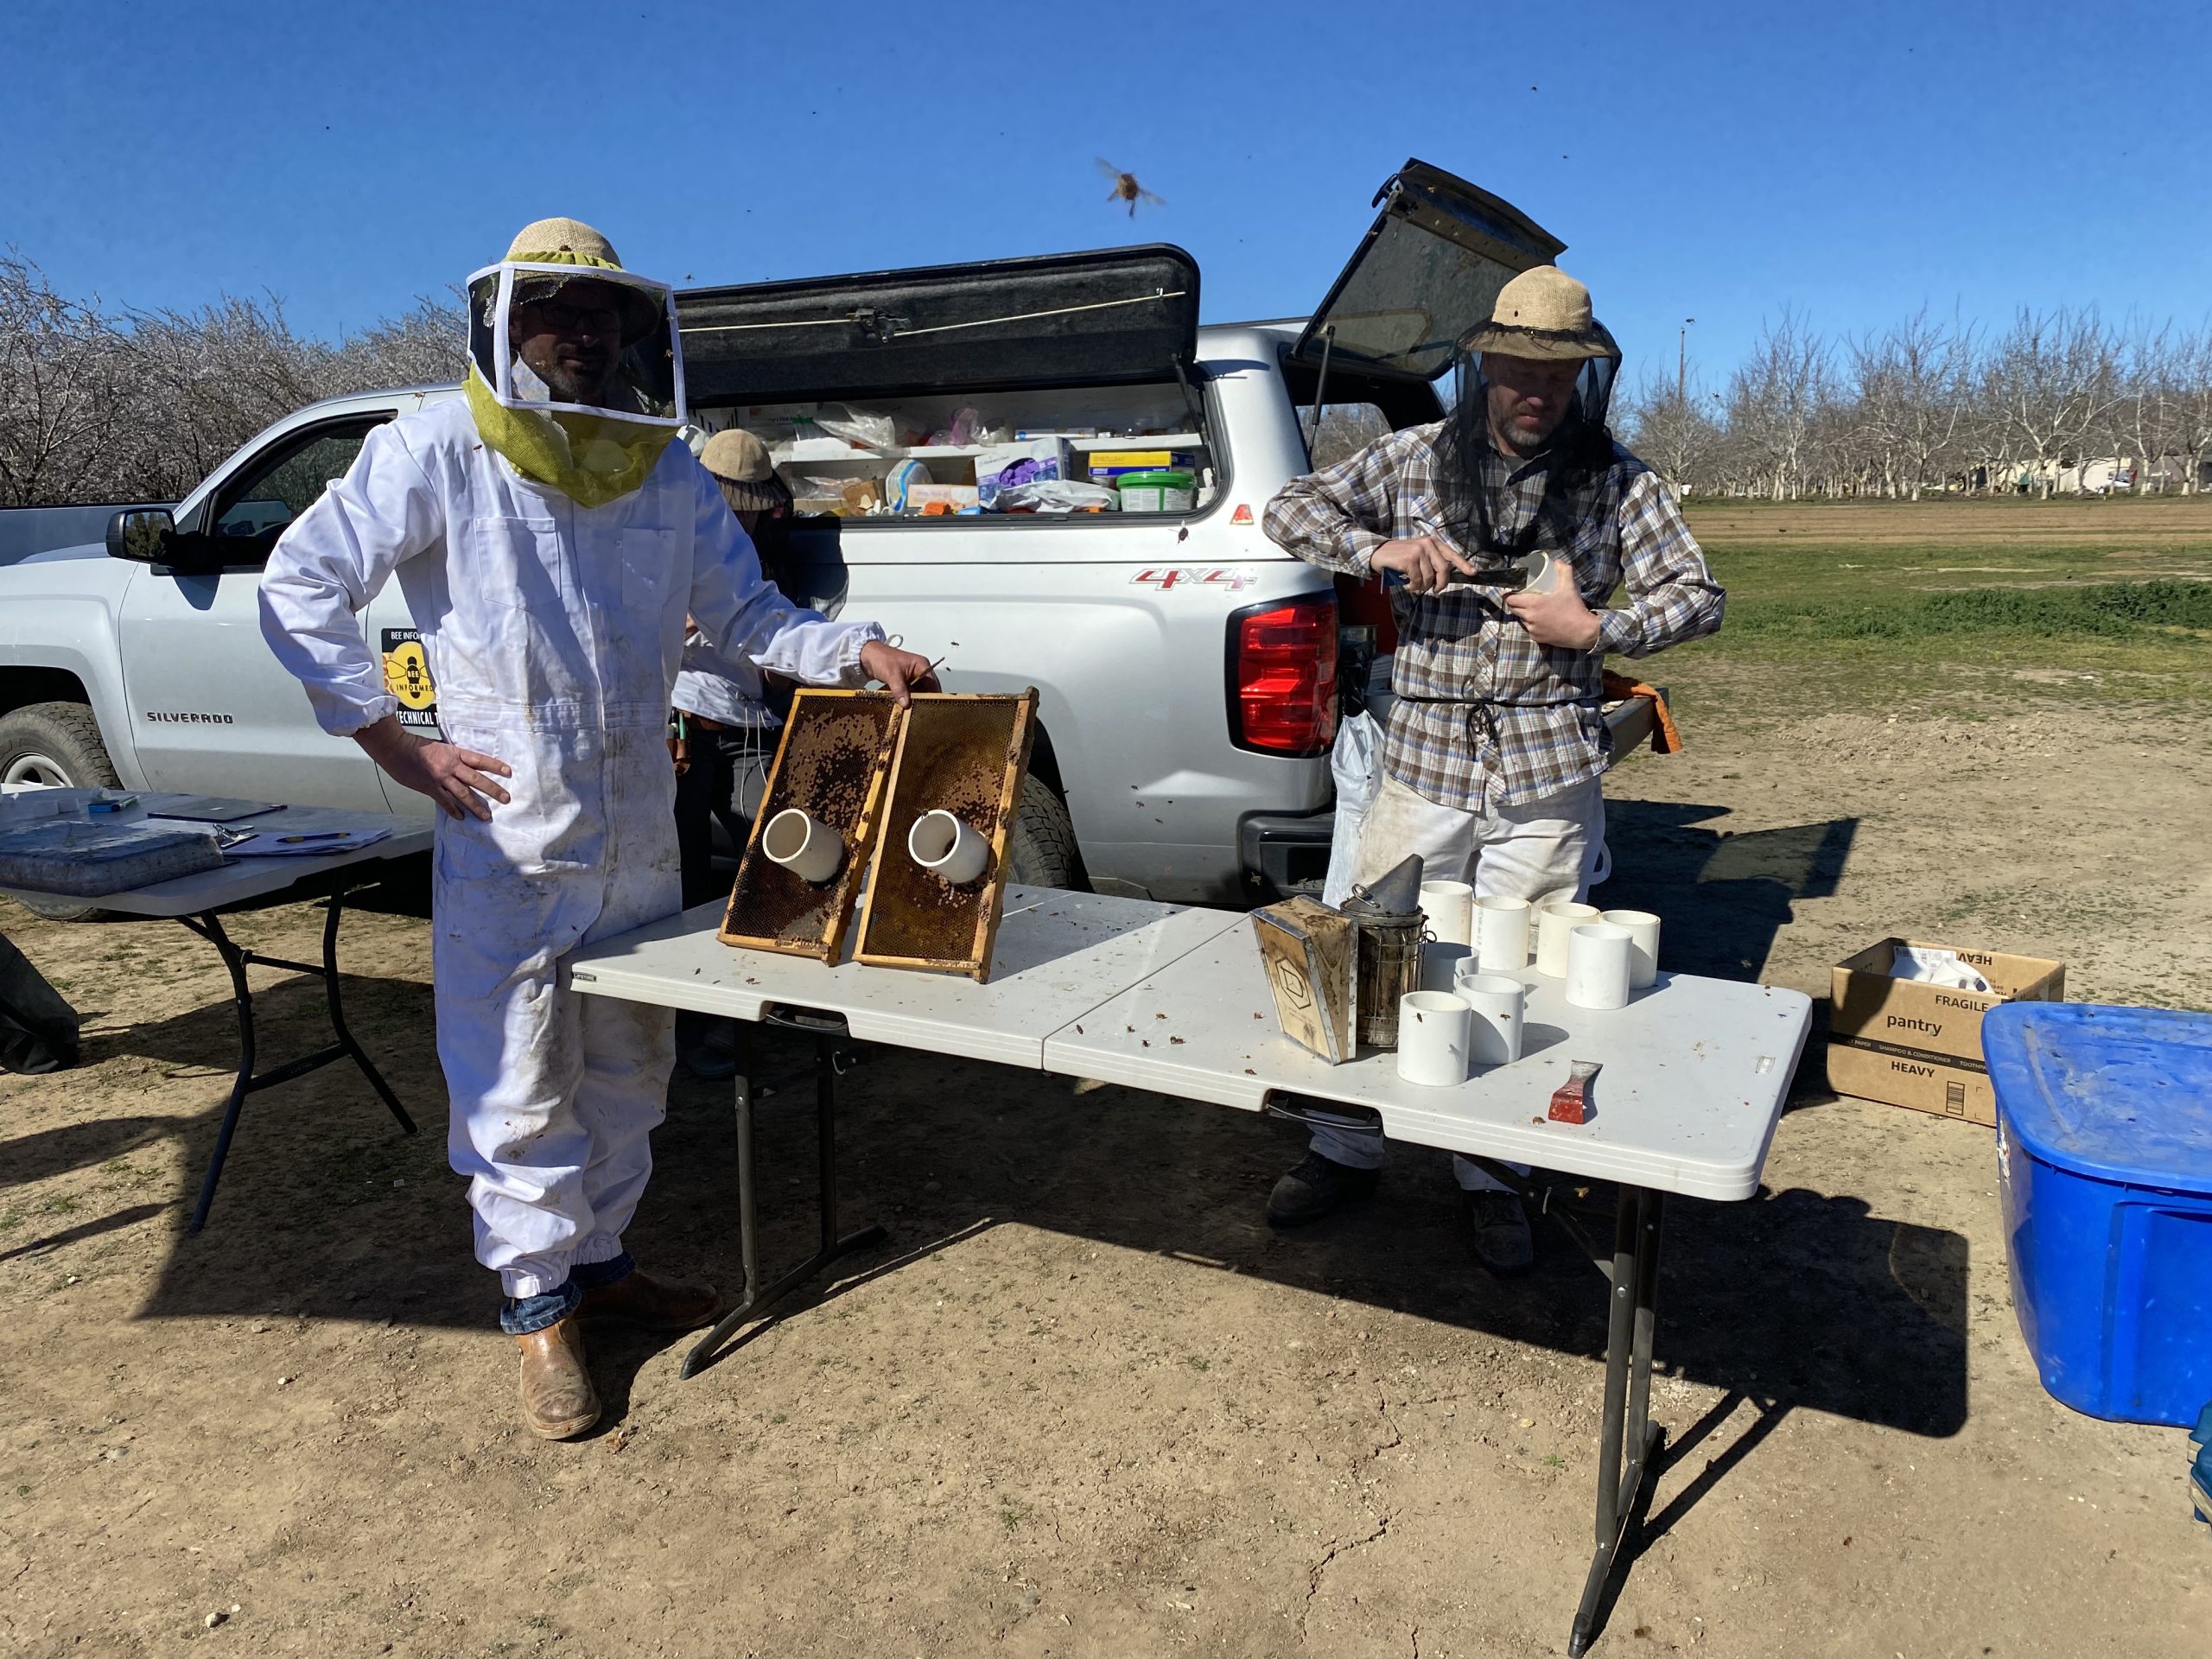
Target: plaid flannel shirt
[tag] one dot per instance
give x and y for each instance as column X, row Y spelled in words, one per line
column 1484, row 716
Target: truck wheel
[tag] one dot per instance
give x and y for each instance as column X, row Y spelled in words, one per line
column 55, row 745
column 1041, row 850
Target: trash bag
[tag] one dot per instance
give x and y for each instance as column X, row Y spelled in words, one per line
column 1354, row 762
column 38, row 1028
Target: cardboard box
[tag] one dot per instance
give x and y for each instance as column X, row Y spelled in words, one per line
column 941, row 498
column 1909, row 1043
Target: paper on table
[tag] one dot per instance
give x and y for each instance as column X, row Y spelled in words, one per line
column 274, row 843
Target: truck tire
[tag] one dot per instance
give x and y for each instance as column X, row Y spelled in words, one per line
column 1041, row 850
column 58, row 745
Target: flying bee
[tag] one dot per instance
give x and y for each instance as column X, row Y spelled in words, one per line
column 1126, row 188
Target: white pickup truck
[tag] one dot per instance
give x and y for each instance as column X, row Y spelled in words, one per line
column 1189, row 670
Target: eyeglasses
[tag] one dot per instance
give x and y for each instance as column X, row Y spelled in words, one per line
column 567, row 319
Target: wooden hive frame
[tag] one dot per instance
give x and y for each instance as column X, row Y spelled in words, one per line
column 847, row 732
column 913, row 920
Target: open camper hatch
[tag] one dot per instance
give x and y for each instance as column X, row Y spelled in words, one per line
column 913, row 394
column 899, row 396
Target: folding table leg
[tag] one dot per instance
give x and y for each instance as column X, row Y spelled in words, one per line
column 209, row 926
column 338, row 1015
column 1627, row 1430
column 756, row 1300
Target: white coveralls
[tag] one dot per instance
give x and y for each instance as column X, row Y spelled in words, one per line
column 553, row 633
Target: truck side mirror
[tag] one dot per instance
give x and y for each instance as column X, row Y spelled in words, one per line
column 141, row 534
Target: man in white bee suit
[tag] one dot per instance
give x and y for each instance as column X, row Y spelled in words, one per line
column 550, row 540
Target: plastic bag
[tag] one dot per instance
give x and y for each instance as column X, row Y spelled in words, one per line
column 1057, row 495
column 38, row 1028
column 1935, row 966
column 848, row 497
column 1355, row 763
column 862, row 427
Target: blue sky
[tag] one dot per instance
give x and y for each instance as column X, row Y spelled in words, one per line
column 1719, row 162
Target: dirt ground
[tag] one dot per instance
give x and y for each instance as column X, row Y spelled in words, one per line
column 2121, row 525
column 1084, row 1402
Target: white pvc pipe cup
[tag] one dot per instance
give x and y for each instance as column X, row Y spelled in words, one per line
column 1499, row 1004
column 1597, row 966
column 1433, row 1027
column 803, row 844
column 948, row 849
column 1441, row 963
column 1502, row 934
column 1449, row 906
column 1555, row 922
column 1643, row 939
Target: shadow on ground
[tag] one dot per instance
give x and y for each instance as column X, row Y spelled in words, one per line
column 1725, row 897
column 1791, row 1299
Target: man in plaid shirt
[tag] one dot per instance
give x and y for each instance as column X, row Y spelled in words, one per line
column 1497, row 739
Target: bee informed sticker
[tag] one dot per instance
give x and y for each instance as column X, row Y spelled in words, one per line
column 407, row 676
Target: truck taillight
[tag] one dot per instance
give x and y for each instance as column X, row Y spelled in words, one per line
column 1283, row 676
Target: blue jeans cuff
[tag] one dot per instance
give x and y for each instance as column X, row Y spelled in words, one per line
column 520, row 1315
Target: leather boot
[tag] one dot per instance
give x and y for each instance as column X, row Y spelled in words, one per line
column 558, row 1401
column 652, row 1304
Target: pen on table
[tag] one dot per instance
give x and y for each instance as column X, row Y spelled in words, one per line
column 323, row 834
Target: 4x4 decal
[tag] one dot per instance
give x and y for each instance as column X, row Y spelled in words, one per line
column 1235, row 577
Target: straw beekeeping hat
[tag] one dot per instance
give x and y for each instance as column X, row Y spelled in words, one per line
column 547, row 237
column 1542, row 312
column 740, row 463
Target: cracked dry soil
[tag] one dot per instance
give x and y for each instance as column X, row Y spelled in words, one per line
column 1084, row 1402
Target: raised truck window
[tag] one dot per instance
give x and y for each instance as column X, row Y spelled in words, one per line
column 255, row 508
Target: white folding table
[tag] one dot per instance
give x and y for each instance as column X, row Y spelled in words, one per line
column 197, row 900
column 1057, row 956
column 1693, row 1074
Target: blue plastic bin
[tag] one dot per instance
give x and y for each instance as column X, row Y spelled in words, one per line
column 2104, row 1155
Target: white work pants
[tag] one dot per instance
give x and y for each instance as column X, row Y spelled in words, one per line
column 1539, row 851
column 556, row 1095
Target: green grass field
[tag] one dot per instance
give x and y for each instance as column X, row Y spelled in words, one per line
column 1954, row 606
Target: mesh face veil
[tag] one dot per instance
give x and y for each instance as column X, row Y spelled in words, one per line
column 576, row 373
column 1581, row 447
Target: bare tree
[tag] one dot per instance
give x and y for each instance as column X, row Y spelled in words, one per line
column 140, row 405
column 60, row 377
column 2049, row 382
column 1775, row 397
column 1667, row 423
column 427, row 346
column 1913, row 387
column 2190, row 437
column 204, row 381
column 2146, row 416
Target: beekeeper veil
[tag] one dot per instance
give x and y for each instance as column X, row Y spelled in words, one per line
column 575, row 373
column 1543, row 313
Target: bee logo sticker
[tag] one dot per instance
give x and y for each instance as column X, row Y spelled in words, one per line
column 407, row 676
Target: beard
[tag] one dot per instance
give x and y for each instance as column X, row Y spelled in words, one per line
column 572, row 384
